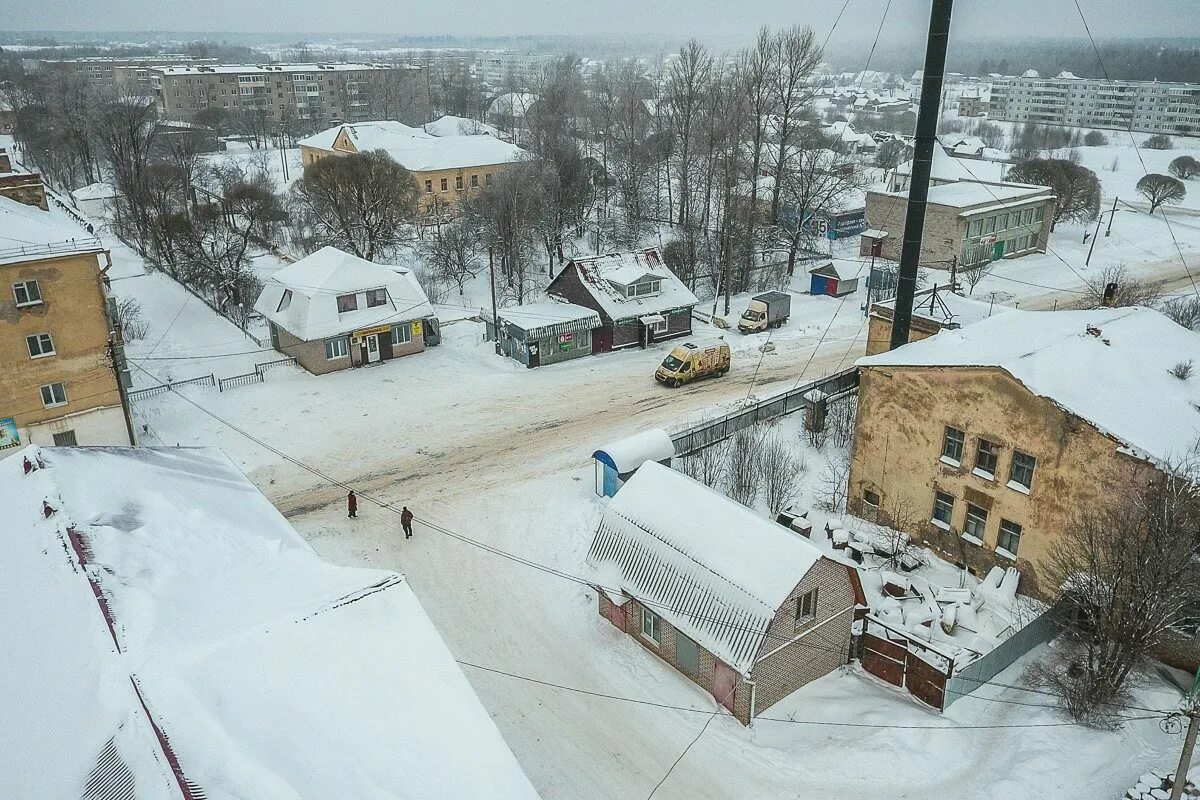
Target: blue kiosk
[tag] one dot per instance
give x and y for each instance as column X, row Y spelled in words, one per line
column 619, row 460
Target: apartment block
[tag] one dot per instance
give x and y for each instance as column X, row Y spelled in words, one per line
column 317, row 92
column 1143, row 106
column 127, row 75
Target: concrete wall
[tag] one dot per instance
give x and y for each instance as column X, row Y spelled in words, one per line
column 73, row 312
column 97, row 426
column 27, row 188
column 879, row 330
column 902, row 416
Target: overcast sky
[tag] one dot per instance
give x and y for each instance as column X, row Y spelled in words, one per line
column 673, row 18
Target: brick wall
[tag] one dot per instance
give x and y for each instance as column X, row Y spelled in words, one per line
column 25, row 188
column 310, row 355
column 820, row 652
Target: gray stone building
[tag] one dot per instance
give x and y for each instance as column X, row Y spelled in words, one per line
column 332, row 311
column 747, row 609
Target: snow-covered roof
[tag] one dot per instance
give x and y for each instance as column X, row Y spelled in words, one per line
column 29, row 234
column 94, row 191
column 512, row 104
column 265, row 69
column 535, row 317
column 626, row 455
column 713, row 568
column 966, row 195
column 947, row 168
column 311, row 311
column 177, row 600
column 1118, row 379
column 450, row 125
column 417, row 150
column 940, row 305
column 598, row 273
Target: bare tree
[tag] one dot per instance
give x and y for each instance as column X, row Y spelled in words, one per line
column 363, row 203
column 973, row 275
column 1130, row 576
column 1161, row 190
column 683, row 105
column 707, row 465
column 840, row 417
column 743, row 467
column 1130, row 290
column 451, row 255
column 1159, row 141
column 1184, row 311
column 505, row 217
column 795, row 57
column 1076, row 188
column 835, row 483
column 781, row 470
column 127, row 134
column 133, row 325
column 1184, row 167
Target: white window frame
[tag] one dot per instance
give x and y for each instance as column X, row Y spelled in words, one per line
column 806, row 608
column 937, row 503
column 28, row 301
column 376, row 292
column 405, row 330
column 961, row 441
column 335, row 344
column 353, row 296
column 1013, row 483
column 967, row 527
column 1002, row 544
column 651, row 631
column 54, row 401
column 38, row 338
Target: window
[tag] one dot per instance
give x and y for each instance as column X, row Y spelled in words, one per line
column 458, row 181
column 1002, row 222
column 1027, row 216
column 376, row 297
column 474, row 181
column 986, row 456
column 54, row 394
column 650, row 625
column 806, row 608
column 428, row 186
column 444, row 185
column 871, row 499
column 1039, row 213
column 1021, row 472
column 487, row 178
column 286, row 300
column 65, row 439
column 1010, row 536
column 658, row 327
column 27, row 293
column 975, row 228
column 401, row 334
column 989, row 225
column 40, row 345
column 347, row 302
column 976, row 523
column 644, row 288
column 687, row 655
column 943, row 509
column 952, row 445
column 337, row 348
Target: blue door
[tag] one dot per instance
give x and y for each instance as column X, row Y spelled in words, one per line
column 819, row 285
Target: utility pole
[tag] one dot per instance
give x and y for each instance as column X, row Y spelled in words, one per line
column 492, row 281
column 1108, row 230
column 1189, row 741
column 918, row 188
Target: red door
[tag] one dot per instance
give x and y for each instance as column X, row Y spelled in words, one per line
column 831, row 287
column 724, row 685
column 877, row 247
column 602, row 339
column 617, row 616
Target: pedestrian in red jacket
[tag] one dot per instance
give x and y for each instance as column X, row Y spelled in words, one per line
column 352, row 504
column 406, row 518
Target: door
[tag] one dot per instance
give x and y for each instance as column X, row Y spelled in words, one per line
column 831, row 287
column 998, row 252
column 687, row 655
column 602, row 339
column 724, row 684
column 372, row 345
column 877, row 247
column 535, row 356
column 818, row 285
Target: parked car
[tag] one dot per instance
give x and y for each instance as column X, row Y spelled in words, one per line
column 690, row 362
column 766, row 310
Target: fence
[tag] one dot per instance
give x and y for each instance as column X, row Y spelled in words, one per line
column 709, row 433
column 163, row 388
column 263, row 366
column 239, row 380
column 966, row 680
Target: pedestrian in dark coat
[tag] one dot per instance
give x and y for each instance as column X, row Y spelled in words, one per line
column 352, row 504
column 406, row 518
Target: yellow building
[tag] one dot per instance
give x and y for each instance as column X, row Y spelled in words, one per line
column 58, row 384
column 983, row 442
column 446, row 168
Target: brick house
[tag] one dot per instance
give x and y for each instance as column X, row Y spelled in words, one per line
column 333, row 310
column 974, row 223
column 639, row 300
column 992, row 436
column 743, row 607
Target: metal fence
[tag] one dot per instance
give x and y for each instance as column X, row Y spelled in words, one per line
column 709, row 433
column 263, row 366
column 239, row 380
column 968, row 679
column 163, row 388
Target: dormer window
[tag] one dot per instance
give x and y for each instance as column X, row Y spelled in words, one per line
column 376, row 297
column 643, row 288
column 286, row 300
column 347, row 302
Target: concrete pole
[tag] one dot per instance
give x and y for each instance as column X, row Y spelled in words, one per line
column 1185, row 758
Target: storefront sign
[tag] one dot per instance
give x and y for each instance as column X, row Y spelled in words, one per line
column 372, row 331
column 566, row 338
column 416, row 327
column 8, row 433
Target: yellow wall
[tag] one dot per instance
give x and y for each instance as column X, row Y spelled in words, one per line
column 902, row 415
column 73, row 313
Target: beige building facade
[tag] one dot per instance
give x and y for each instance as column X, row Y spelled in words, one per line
column 967, row 223
column 58, row 385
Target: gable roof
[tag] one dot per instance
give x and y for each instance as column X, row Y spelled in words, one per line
column 178, row 597
column 718, row 572
column 595, row 274
column 449, row 125
column 1118, row 380
column 417, row 150
column 315, row 282
column 950, row 169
